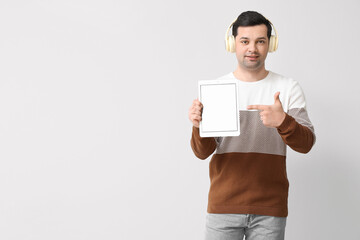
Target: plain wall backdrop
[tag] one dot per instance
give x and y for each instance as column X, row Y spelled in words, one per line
column 94, row 129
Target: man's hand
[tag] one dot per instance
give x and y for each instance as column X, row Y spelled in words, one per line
column 271, row 115
column 195, row 113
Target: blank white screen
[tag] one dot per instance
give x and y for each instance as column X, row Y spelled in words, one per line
column 219, row 107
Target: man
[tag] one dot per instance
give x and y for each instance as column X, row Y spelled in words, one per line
column 248, row 181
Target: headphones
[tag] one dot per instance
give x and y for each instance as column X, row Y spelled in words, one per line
column 230, row 40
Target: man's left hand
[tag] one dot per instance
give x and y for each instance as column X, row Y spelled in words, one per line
column 271, row 115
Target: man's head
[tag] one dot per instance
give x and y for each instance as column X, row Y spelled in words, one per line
column 252, row 33
column 251, row 18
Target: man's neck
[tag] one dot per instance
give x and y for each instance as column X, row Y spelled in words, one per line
column 250, row 76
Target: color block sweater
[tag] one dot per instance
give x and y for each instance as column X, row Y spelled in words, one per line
column 248, row 172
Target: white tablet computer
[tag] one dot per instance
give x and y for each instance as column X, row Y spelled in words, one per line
column 220, row 116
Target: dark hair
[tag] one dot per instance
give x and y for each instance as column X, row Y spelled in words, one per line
column 251, row 18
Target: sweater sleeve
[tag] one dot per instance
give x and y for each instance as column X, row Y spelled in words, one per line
column 202, row 147
column 297, row 130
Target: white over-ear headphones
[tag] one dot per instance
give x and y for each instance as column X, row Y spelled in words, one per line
column 230, row 40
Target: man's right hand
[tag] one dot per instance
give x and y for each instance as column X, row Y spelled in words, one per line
column 195, row 113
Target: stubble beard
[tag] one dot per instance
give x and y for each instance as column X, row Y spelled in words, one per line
column 251, row 65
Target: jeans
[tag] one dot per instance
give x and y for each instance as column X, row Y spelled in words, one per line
column 236, row 226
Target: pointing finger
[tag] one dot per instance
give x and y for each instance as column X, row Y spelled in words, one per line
column 257, row 107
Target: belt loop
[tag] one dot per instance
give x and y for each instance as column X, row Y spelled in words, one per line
column 248, row 219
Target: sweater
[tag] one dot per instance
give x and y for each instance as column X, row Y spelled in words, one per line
column 248, row 172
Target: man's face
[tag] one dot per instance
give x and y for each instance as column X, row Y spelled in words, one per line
column 251, row 46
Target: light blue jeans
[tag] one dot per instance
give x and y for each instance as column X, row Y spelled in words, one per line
column 236, row 226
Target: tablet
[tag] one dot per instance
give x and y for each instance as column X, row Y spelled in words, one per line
column 220, row 116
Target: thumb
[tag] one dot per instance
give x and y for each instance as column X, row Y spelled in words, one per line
column 276, row 98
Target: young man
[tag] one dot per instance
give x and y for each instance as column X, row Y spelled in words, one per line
column 249, row 186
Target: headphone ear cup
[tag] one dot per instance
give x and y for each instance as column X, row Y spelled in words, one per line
column 273, row 44
column 227, row 43
column 276, row 43
column 230, row 44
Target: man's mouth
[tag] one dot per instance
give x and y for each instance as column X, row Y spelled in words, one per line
column 252, row 57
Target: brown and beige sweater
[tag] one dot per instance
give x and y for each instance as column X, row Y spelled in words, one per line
column 248, row 172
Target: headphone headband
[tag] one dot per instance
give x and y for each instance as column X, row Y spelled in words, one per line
column 227, row 32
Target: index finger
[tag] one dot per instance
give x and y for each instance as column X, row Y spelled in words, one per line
column 257, row 107
column 196, row 101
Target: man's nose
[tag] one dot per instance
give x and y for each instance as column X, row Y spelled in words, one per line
column 252, row 47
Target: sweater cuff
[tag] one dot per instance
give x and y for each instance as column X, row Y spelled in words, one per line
column 286, row 124
column 196, row 132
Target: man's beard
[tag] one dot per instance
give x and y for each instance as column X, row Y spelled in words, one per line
column 252, row 65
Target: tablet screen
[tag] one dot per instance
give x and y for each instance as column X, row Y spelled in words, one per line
column 220, row 116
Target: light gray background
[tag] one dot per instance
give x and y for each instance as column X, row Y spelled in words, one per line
column 94, row 133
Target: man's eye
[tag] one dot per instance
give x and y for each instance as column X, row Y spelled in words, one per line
column 262, row 41
column 244, row 42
